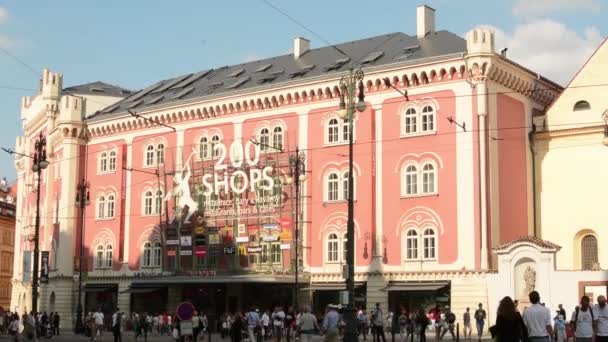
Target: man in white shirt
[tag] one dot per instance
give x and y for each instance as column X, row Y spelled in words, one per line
column 537, row 319
column 278, row 316
column 98, row 316
column 582, row 321
column 600, row 313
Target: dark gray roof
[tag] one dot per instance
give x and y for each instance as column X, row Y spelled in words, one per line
column 98, row 88
column 375, row 51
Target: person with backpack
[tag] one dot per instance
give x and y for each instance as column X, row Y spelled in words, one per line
column 448, row 325
column 582, row 321
column 378, row 322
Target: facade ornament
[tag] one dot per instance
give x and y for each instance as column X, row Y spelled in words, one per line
column 181, row 190
column 530, row 280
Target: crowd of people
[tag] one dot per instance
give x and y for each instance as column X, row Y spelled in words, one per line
column 534, row 323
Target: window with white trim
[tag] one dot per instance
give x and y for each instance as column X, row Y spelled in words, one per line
column 415, row 121
column 429, row 244
column 148, row 200
column 275, row 252
column 151, row 254
column 103, row 257
column 345, row 186
column 589, row 255
column 344, row 248
column 108, row 257
column 345, row 128
column 158, row 202
column 103, row 162
column 149, row 161
column 428, row 119
column 419, row 180
column 101, row 206
column 332, row 247
column 112, row 161
column 215, row 140
column 332, row 131
column 99, row 257
column 337, row 131
column 332, row 187
column 264, row 140
column 203, row 148
column 277, row 138
column 411, row 245
column 160, row 154
column 110, row 204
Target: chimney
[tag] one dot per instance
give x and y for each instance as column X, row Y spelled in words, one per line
column 425, row 21
column 300, row 46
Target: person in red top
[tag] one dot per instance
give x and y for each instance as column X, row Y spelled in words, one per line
column 436, row 318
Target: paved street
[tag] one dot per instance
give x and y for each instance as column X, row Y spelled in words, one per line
column 68, row 337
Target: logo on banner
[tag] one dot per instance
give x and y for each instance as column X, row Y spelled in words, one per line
column 285, row 246
column 199, row 230
column 172, row 253
column 185, row 252
column 286, row 235
column 255, row 249
column 186, row 240
column 242, row 250
column 172, row 242
column 270, row 226
column 270, row 238
column 242, row 229
column 44, row 267
column 230, row 250
column 201, row 251
column 227, row 236
column 285, row 222
column 242, row 239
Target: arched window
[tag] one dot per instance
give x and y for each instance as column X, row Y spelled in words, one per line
column 160, row 154
column 108, row 258
column 345, row 129
column 332, row 247
column 112, row 161
column 156, row 255
column 148, row 203
column 101, row 206
column 110, row 207
column 203, row 148
column 277, row 138
column 332, row 187
column 410, row 122
column 99, row 261
column 581, row 105
column 589, row 257
column 215, row 140
column 345, row 186
column 264, row 140
column 103, row 162
column 150, row 155
column 428, row 243
column 332, row 131
column 411, row 180
column 411, row 245
column 158, row 202
column 147, row 258
column 428, row 178
column 428, row 119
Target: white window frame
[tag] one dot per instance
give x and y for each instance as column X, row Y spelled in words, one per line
column 422, row 179
column 332, row 245
column 276, row 254
column 112, row 161
column 333, row 131
column 147, row 203
column 204, row 148
column 336, row 131
column 110, row 206
column 412, row 244
column 264, row 140
column 103, row 162
column 332, row 186
column 215, row 140
column 100, row 257
column 277, row 138
column 432, row 247
column 101, row 206
column 419, row 120
column 149, row 155
column 146, row 261
column 160, row 153
column 158, row 202
column 108, row 256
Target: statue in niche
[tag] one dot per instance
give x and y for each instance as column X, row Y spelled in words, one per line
column 530, row 280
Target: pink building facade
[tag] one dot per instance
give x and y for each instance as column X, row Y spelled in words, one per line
column 441, row 175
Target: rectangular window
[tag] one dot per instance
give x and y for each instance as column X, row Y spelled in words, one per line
column 345, row 129
column 264, row 254
column 428, row 124
column 276, row 253
column 410, row 124
column 412, row 248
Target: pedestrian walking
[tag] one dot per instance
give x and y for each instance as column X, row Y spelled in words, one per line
column 117, row 325
column 466, row 322
column 422, row 322
column 448, row 324
column 582, row 321
column 480, row 320
column 509, row 323
column 378, row 321
column 436, row 319
column 13, row 328
column 237, row 327
column 362, row 324
column 403, row 324
column 278, row 316
column 330, row 324
column 308, row 326
column 559, row 327
column 537, row 319
column 99, row 319
column 253, row 324
column 600, row 312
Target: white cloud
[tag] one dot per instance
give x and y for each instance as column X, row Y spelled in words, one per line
column 3, row 15
column 549, row 47
column 531, row 8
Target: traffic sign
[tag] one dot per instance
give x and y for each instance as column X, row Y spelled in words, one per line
column 185, row 311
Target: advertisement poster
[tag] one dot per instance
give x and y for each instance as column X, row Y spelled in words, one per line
column 27, row 266
column 44, row 267
column 201, row 251
column 227, row 235
column 285, row 222
column 214, row 239
column 186, row 240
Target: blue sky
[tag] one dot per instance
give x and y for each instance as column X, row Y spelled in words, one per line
column 137, row 42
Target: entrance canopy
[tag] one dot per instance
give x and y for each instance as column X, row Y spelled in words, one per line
column 416, row 285
column 227, row 279
column 143, row 288
column 329, row 286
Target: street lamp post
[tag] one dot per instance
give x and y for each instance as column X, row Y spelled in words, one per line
column 82, row 200
column 349, row 84
column 297, row 173
column 40, row 163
